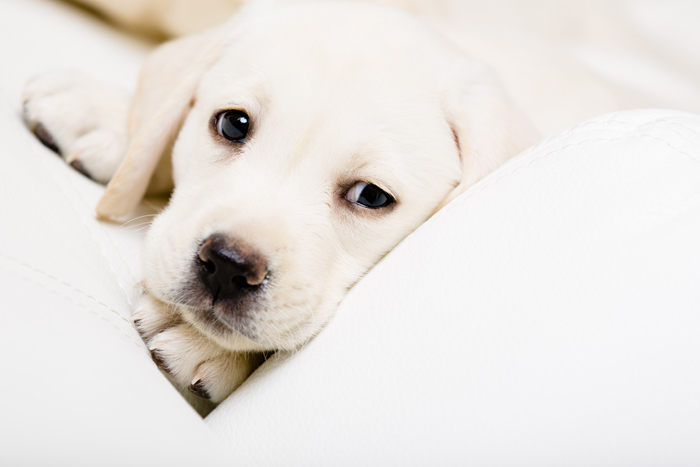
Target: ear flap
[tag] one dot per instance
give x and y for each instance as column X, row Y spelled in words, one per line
column 488, row 129
column 167, row 85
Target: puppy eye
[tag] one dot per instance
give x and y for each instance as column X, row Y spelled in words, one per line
column 368, row 195
column 233, row 125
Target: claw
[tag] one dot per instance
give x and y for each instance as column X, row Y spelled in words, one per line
column 158, row 359
column 197, row 387
column 136, row 317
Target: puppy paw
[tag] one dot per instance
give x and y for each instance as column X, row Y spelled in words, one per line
column 80, row 118
column 191, row 359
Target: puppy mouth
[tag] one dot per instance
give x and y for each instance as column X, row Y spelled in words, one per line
column 213, row 321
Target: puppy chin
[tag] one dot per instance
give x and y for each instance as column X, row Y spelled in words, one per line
column 231, row 321
column 240, row 338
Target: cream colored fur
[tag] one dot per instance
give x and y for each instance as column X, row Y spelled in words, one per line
column 336, row 93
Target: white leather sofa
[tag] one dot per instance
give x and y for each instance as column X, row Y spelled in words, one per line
column 549, row 316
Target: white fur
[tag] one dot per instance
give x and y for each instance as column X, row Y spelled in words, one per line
column 337, row 93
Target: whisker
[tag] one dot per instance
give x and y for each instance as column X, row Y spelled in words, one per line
column 137, row 218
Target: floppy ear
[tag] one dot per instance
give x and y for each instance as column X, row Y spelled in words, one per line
column 487, row 128
column 167, row 84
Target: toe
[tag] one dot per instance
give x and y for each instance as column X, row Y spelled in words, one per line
column 152, row 317
column 46, row 137
column 79, row 167
column 198, row 387
column 159, row 359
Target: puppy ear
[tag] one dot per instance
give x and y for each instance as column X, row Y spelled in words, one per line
column 167, row 85
column 488, row 130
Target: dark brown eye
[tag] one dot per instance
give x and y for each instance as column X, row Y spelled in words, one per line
column 369, row 196
column 233, row 125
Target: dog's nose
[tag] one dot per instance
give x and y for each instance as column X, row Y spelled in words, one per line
column 229, row 267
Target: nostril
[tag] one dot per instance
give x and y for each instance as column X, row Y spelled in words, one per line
column 208, row 266
column 229, row 268
column 240, row 281
column 205, row 257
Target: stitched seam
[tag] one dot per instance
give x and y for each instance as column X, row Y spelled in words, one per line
column 665, row 120
column 131, row 338
column 537, row 159
column 65, row 284
column 55, row 279
column 594, row 126
column 677, row 123
column 119, row 253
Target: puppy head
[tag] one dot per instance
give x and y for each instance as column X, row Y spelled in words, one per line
column 315, row 142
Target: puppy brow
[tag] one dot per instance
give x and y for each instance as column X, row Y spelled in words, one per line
column 251, row 94
column 365, row 171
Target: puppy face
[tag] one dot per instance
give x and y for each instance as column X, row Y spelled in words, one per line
column 316, row 142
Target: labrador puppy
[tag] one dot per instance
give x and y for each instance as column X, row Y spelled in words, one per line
column 303, row 141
